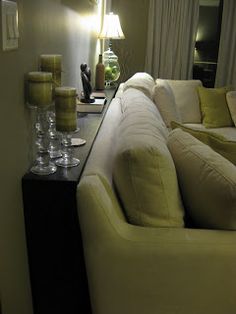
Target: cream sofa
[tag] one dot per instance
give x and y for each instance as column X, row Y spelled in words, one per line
column 178, row 101
column 146, row 269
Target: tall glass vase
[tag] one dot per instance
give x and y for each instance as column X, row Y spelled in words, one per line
column 42, row 164
column 39, row 99
column 66, row 123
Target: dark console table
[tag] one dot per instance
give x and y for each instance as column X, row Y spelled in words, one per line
column 55, row 253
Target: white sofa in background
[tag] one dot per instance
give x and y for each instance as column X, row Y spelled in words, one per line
column 177, row 100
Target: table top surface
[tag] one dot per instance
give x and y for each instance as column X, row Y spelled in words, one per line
column 89, row 125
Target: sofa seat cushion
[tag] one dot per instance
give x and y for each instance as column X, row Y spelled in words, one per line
column 216, row 141
column 186, row 99
column 144, row 173
column 141, row 81
column 227, row 132
column 207, row 182
column 214, row 108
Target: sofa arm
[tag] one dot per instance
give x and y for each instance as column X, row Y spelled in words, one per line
column 141, row 270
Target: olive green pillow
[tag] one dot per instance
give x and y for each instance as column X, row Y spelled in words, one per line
column 231, row 101
column 207, row 182
column 216, row 141
column 214, row 108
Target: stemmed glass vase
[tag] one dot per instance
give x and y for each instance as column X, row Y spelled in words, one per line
column 42, row 164
column 39, row 99
column 53, row 63
column 66, row 123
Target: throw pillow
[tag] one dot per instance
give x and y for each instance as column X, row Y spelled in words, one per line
column 144, row 173
column 216, row 141
column 142, row 81
column 186, row 99
column 207, row 182
column 231, row 100
column 165, row 102
column 215, row 111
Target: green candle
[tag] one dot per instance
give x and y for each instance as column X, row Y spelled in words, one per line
column 65, row 105
column 52, row 63
column 40, row 88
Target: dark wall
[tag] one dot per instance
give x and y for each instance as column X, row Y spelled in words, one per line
column 45, row 26
column 132, row 50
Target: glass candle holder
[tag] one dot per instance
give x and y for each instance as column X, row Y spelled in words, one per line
column 53, row 63
column 40, row 98
column 66, row 123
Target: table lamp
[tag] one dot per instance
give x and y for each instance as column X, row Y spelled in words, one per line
column 111, row 29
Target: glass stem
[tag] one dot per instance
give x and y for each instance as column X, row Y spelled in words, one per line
column 54, row 146
column 66, row 146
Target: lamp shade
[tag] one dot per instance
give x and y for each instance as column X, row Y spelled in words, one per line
column 111, row 28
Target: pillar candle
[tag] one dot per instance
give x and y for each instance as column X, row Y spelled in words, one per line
column 52, row 63
column 40, row 89
column 65, row 106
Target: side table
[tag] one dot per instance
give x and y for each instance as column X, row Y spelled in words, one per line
column 55, row 252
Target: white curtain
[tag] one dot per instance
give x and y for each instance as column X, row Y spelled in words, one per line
column 226, row 68
column 171, row 38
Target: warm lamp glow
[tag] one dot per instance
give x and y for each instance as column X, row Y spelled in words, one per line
column 111, row 28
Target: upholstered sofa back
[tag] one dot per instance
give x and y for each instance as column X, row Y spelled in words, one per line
column 149, row 268
column 131, row 152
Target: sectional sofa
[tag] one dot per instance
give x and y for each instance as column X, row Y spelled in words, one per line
column 157, row 211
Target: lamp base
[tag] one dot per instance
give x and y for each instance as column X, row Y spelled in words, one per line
column 112, row 67
column 109, row 84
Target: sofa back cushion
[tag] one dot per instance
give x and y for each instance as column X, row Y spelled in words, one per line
column 141, row 81
column 134, row 100
column 165, row 101
column 144, row 173
column 207, row 182
column 186, row 99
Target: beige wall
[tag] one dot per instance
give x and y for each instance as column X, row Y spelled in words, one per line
column 132, row 50
column 46, row 26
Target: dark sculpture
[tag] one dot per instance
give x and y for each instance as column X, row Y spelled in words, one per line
column 87, row 88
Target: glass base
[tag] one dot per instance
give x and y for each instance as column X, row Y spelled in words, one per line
column 67, row 162
column 55, row 154
column 78, row 141
column 44, row 170
column 110, row 84
column 76, row 130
